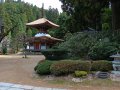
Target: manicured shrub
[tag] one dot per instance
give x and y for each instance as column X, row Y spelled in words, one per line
column 35, row 68
column 43, row 68
column 54, row 54
column 67, row 67
column 62, row 67
column 4, row 50
column 101, row 65
column 41, row 61
column 80, row 73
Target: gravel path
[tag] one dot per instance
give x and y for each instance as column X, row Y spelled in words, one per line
column 18, row 70
column 14, row 68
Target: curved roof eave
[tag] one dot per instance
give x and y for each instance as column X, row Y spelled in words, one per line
column 52, row 38
column 41, row 22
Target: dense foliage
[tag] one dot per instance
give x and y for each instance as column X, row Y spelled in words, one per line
column 102, row 50
column 54, row 54
column 43, row 68
column 78, row 16
column 101, row 66
column 84, row 14
column 87, row 13
column 4, row 50
column 62, row 20
column 92, row 45
column 15, row 15
column 78, row 44
column 68, row 67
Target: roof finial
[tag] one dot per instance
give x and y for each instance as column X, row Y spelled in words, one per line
column 42, row 10
column 117, row 53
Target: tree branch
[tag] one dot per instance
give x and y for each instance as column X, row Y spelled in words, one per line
column 2, row 35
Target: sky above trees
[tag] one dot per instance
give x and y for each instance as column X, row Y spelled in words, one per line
column 47, row 3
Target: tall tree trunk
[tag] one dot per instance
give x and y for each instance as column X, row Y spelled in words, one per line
column 115, row 15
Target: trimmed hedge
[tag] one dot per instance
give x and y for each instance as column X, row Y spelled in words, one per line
column 101, row 66
column 59, row 68
column 68, row 67
column 54, row 54
column 43, row 68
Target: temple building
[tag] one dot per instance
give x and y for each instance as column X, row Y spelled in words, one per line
column 42, row 40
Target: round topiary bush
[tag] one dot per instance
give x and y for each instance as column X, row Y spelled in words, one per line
column 43, row 68
column 80, row 73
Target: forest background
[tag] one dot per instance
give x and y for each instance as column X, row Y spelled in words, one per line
column 90, row 28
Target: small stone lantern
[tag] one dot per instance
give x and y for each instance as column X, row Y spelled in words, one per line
column 116, row 62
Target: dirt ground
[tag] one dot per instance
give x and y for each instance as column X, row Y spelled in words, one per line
column 15, row 69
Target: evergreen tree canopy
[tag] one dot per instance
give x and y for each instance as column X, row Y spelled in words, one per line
column 87, row 13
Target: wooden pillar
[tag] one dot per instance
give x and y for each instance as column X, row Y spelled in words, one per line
column 46, row 45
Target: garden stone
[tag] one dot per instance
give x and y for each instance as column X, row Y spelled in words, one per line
column 103, row 75
column 90, row 77
column 77, row 80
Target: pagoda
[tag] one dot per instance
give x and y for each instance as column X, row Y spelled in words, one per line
column 42, row 40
